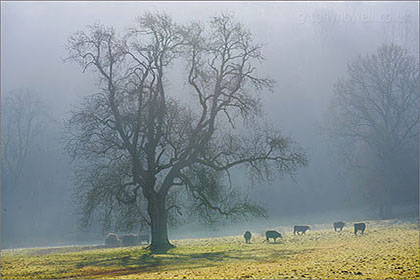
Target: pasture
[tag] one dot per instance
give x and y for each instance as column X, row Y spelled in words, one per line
column 388, row 250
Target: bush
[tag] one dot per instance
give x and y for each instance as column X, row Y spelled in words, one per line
column 129, row 240
column 112, row 240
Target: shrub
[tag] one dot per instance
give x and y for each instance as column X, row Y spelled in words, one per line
column 129, row 240
column 112, row 240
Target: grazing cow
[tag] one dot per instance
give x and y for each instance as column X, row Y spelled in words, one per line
column 359, row 227
column 339, row 225
column 112, row 240
column 247, row 237
column 301, row 229
column 142, row 238
column 272, row 234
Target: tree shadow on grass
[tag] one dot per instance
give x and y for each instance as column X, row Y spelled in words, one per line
column 175, row 261
column 65, row 249
column 142, row 262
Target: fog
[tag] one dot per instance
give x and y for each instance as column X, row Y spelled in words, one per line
column 306, row 45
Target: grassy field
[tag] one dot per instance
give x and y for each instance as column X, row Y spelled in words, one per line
column 387, row 250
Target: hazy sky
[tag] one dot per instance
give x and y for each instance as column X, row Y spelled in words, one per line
column 301, row 38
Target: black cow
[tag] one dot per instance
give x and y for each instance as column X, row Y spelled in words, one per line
column 272, row 234
column 339, row 225
column 247, row 237
column 301, row 229
column 359, row 227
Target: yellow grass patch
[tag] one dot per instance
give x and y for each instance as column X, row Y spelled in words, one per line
column 386, row 250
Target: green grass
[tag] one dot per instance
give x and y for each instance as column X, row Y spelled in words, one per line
column 386, row 250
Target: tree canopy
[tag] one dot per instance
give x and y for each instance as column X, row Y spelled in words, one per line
column 374, row 119
column 143, row 152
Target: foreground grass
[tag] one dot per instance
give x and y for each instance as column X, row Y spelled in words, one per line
column 386, row 250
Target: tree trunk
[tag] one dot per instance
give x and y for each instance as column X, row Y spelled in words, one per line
column 390, row 177
column 159, row 227
column 381, row 210
column 385, row 206
column 388, row 211
column 388, row 206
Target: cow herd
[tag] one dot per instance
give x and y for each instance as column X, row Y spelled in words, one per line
column 113, row 240
column 299, row 230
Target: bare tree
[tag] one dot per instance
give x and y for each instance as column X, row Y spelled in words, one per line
column 23, row 117
column 374, row 117
column 135, row 143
